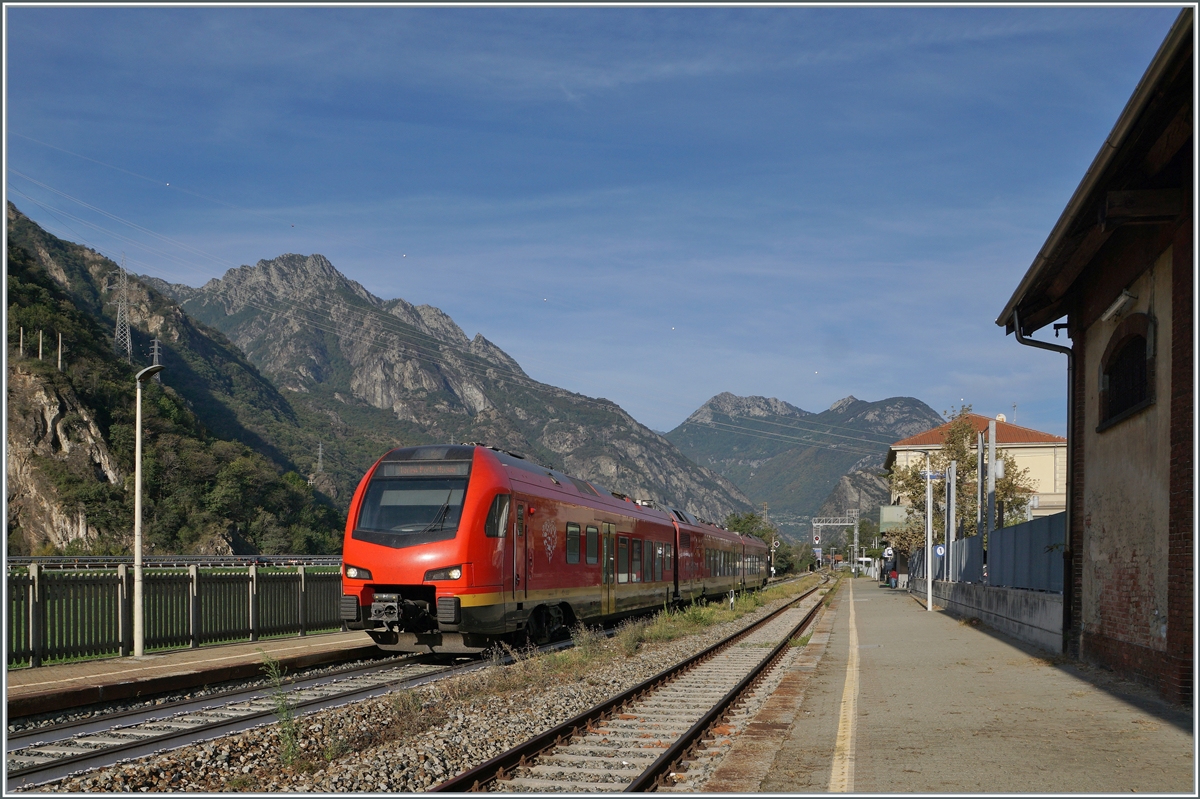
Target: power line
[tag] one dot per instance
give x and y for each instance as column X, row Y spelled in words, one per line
column 816, row 431
column 780, row 437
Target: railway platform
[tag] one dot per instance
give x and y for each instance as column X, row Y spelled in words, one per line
column 49, row 688
column 889, row 697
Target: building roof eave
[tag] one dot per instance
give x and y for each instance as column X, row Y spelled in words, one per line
column 1179, row 36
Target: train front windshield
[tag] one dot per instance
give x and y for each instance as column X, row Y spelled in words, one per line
column 410, row 501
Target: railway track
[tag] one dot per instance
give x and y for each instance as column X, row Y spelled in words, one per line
column 49, row 753
column 635, row 741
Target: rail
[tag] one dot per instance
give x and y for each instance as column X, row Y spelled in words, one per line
column 85, row 610
column 503, row 765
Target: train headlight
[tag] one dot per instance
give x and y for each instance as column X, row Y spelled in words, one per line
column 357, row 573
column 449, row 573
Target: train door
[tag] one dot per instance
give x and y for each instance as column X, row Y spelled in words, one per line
column 608, row 574
column 519, row 572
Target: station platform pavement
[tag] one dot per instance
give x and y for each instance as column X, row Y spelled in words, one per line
column 49, row 688
column 888, row 697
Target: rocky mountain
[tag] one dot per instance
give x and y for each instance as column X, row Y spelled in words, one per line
column 371, row 373
column 217, row 474
column 801, row 464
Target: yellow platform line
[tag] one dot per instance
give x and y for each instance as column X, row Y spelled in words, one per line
column 841, row 775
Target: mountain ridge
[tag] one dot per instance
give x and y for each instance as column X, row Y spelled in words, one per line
column 794, row 460
column 334, row 345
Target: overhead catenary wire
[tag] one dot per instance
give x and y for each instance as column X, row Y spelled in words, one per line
column 417, row 342
column 772, row 436
column 177, row 187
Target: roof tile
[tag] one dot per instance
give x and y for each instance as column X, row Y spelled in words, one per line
column 1005, row 434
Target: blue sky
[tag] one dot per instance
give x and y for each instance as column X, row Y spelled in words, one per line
column 652, row 205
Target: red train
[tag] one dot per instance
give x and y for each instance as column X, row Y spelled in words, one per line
column 451, row 548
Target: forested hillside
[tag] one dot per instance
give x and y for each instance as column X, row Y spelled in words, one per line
column 216, row 478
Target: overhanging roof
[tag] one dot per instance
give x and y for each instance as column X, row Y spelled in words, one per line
column 1054, row 254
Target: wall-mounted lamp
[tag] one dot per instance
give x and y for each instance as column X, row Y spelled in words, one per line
column 1118, row 306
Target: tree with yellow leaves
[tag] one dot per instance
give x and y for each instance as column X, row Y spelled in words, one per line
column 1013, row 489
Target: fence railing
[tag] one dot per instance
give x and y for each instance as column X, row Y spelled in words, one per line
column 1026, row 555
column 63, row 613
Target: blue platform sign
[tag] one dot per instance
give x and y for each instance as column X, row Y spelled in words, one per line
column 940, row 550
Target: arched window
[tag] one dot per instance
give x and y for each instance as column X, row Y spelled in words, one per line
column 1127, row 370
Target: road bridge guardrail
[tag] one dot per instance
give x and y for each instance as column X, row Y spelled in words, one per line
column 59, row 609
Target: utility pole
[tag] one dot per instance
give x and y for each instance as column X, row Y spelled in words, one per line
column 991, row 478
column 22, row 346
column 951, row 513
column 928, row 533
column 979, row 485
column 39, row 345
column 60, row 352
column 856, row 512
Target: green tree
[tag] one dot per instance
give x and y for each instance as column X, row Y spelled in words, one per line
column 1014, row 489
column 752, row 523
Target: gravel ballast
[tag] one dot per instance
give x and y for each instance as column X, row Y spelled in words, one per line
column 377, row 745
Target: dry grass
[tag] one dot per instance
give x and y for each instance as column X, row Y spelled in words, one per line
column 592, row 650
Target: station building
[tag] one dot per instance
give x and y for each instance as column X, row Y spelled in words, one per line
column 1119, row 265
column 1043, row 454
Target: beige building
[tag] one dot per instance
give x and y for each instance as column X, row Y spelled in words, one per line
column 1043, row 454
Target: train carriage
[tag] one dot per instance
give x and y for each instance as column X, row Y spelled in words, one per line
column 449, row 548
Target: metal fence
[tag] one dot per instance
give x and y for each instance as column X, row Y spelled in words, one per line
column 76, row 612
column 1028, row 555
column 966, row 560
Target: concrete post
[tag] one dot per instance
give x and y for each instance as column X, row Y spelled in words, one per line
column 991, row 478
column 303, row 602
column 36, row 615
column 928, row 534
column 979, row 485
column 253, row 601
column 951, row 515
column 194, row 605
column 124, row 616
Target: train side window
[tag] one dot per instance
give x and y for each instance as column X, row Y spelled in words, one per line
column 658, row 562
column 668, row 552
column 637, row 560
column 497, row 518
column 593, row 548
column 622, row 559
column 572, row 543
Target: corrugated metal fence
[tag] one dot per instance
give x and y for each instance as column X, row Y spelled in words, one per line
column 1027, row 555
column 58, row 614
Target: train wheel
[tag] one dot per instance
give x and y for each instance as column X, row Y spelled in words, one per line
column 545, row 623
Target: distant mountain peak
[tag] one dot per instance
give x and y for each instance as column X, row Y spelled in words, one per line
column 728, row 404
column 844, row 403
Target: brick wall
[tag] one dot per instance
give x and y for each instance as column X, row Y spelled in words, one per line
column 1073, row 585
column 1170, row 671
column 1176, row 679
